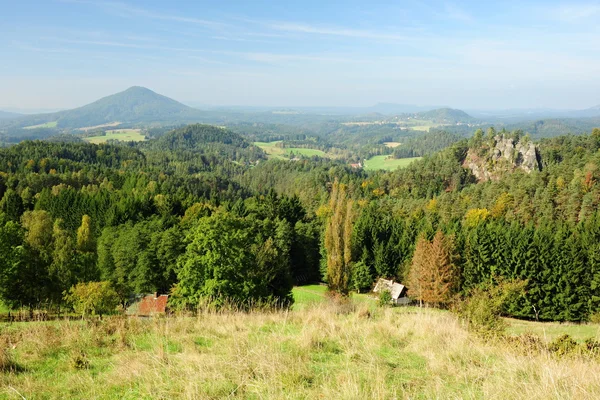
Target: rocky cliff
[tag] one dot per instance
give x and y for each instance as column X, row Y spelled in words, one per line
column 505, row 154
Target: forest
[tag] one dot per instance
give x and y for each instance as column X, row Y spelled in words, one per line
column 200, row 213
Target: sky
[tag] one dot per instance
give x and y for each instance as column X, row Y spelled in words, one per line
column 469, row 54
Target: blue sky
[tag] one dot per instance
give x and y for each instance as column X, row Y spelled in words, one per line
column 471, row 54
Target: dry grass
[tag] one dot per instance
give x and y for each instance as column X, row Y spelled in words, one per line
column 327, row 351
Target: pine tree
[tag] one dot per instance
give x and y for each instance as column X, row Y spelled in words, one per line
column 441, row 276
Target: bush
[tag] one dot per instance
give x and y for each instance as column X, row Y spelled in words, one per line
column 593, row 346
column 483, row 309
column 528, row 343
column 79, row 360
column 95, row 298
column 595, row 318
column 563, row 345
column 385, row 298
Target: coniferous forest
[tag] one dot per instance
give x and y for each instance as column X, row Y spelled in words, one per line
column 201, row 213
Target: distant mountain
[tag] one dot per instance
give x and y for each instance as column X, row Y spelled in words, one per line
column 392, row 108
column 446, row 116
column 134, row 105
column 523, row 115
column 8, row 115
column 556, row 126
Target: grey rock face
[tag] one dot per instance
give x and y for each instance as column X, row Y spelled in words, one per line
column 504, row 156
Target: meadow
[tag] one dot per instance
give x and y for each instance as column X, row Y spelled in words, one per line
column 320, row 349
column 273, row 150
column 123, row 135
column 52, row 124
column 387, row 163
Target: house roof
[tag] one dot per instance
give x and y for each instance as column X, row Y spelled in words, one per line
column 394, row 288
column 149, row 305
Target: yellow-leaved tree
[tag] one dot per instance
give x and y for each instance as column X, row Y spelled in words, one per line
column 338, row 234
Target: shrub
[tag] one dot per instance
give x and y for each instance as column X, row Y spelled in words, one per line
column 483, row 309
column 528, row 343
column 592, row 345
column 92, row 298
column 595, row 318
column 563, row 345
column 79, row 360
column 385, row 298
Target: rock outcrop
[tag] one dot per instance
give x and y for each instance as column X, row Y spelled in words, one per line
column 506, row 155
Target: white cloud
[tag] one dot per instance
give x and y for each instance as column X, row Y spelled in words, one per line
column 335, row 31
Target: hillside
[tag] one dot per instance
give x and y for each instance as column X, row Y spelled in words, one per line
column 7, row 115
column 193, row 136
column 445, row 116
column 134, row 105
column 556, row 127
column 328, row 352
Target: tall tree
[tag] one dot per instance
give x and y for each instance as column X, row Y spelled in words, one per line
column 433, row 276
column 338, row 234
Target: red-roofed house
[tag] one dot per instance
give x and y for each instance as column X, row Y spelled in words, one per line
column 149, row 305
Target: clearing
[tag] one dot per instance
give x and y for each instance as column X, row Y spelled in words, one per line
column 44, row 125
column 90, row 128
column 123, row 135
column 392, row 144
column 387, row 163
column 274, row 150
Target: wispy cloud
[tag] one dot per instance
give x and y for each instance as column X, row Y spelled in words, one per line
column 452, row 11
column 573, row 12
column 27, row 47
column 126, row 10
column 334, row 31
column 105, row 43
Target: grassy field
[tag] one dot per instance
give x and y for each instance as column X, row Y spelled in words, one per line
column 392, row 144
column 423, row 128
column 124, row 135
column 274, row 151
column 323, row 350
column 89, row 128
column 46, row 125
column 387, row 163
column 549, row 331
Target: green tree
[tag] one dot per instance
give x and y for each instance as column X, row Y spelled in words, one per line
column 232, row 259
column 92, row 298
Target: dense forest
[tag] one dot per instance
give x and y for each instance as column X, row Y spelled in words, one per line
column 201, row 213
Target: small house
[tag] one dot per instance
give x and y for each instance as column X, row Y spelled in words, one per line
column 148, row 305
column 397, row 291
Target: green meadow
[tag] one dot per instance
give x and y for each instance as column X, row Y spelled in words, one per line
column 45, row 125
column 123, row 135
column 387, row 163
column 273, row 150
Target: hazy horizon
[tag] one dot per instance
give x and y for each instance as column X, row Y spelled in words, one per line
column 468, row 55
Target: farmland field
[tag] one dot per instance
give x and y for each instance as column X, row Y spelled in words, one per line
column 123, row 135
column 45, row 125
column 89, row 128
column 387, row 163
